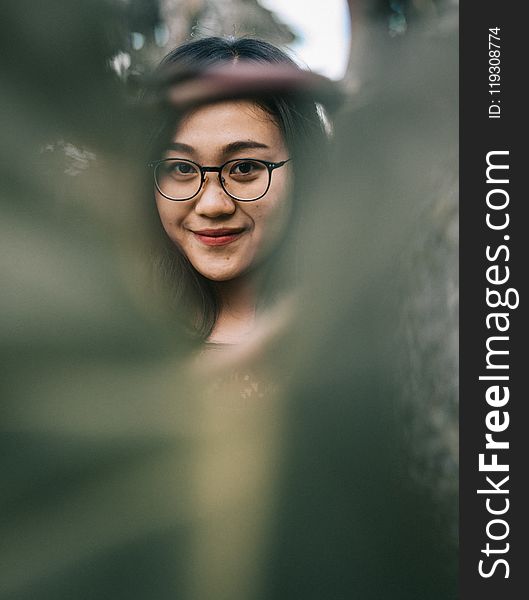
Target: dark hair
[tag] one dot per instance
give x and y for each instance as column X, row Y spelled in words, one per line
column 299, row 119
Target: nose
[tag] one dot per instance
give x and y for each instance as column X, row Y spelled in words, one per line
column 212, row 200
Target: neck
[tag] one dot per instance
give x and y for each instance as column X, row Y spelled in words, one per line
column 236, row 319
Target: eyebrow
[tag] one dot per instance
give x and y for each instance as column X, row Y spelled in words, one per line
column 230, row 148
column 181, row 147
column 243, row 145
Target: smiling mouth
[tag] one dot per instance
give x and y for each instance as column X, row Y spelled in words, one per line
column 218, row 237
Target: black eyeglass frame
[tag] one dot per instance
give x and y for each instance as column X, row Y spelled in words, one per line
column 271, row 166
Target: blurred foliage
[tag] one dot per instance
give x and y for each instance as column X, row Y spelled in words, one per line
column 157, row 26
column 129, row 474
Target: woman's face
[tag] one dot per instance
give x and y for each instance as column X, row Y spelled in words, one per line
column 210, row 136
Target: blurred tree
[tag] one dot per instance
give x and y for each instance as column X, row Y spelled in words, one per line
column 157, row 26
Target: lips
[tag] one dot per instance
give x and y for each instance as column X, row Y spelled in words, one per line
column 220, row 236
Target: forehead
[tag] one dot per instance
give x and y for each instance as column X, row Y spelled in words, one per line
column 216, row 125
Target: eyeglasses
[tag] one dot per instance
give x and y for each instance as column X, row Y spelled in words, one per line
column 244, row 179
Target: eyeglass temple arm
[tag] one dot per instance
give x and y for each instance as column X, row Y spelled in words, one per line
column 276, row 165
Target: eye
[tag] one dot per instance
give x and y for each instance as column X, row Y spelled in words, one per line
column 177, row 168
column 246, row 169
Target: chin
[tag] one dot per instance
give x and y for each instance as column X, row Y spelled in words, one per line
column 220, row 274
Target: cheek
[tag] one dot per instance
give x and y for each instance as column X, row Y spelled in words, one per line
column 171, row 215
column 271, row 220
